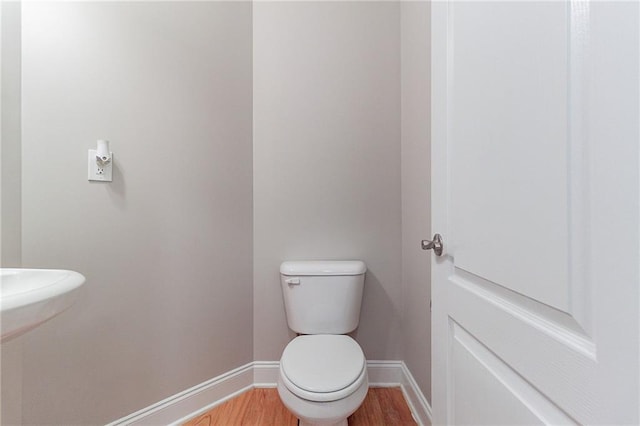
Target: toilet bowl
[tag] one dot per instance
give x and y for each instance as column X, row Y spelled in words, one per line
column 323, row 372
column 323, row 378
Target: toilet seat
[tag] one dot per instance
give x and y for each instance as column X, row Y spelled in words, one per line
column 323, row 367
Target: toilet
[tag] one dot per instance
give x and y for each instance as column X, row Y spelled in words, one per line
column 323, row 373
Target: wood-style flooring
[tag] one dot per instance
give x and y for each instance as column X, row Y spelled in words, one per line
column 262, row 407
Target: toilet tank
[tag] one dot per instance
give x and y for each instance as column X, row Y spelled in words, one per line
column 322, row 297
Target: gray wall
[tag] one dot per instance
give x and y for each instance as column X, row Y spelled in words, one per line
column 327, row 158
column 10, row 164
column 10, row 193
column 166, row 247
column 416, row 212
column 340, row 146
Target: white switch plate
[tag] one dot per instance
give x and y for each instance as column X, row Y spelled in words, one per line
column 101, row 174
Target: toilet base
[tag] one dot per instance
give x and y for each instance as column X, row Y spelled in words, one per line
column 333, row 413
column 339, row 423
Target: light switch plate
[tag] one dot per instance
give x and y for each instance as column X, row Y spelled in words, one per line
column 97, row 173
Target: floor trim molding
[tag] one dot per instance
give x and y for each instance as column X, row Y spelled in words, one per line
column 264, row 374
column 418, row 404
column 199, row 398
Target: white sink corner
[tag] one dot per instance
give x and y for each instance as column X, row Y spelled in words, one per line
column 29, row 297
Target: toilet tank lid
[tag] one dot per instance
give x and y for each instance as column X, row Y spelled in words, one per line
column 323, row 267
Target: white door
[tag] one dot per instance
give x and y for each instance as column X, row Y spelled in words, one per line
column 535, row 159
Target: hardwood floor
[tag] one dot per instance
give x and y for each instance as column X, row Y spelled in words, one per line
column 262, row 407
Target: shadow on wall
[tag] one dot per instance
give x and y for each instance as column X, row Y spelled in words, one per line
column 117, row 189
column 374, row 300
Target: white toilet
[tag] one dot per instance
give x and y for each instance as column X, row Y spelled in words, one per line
column 323, row 372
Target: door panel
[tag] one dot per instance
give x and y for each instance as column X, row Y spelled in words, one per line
column 500, row 395
column 535, row 137
column 508, row 130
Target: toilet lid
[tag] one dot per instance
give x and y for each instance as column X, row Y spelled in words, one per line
column 322, row 362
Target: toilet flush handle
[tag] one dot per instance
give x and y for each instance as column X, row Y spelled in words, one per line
column 293, row 281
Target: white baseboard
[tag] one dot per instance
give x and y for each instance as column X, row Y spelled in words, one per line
column 264, row 374
column 418, row 404
column 200, row 398
column 384, row 374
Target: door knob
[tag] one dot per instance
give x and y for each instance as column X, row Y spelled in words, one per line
column 436, row 244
